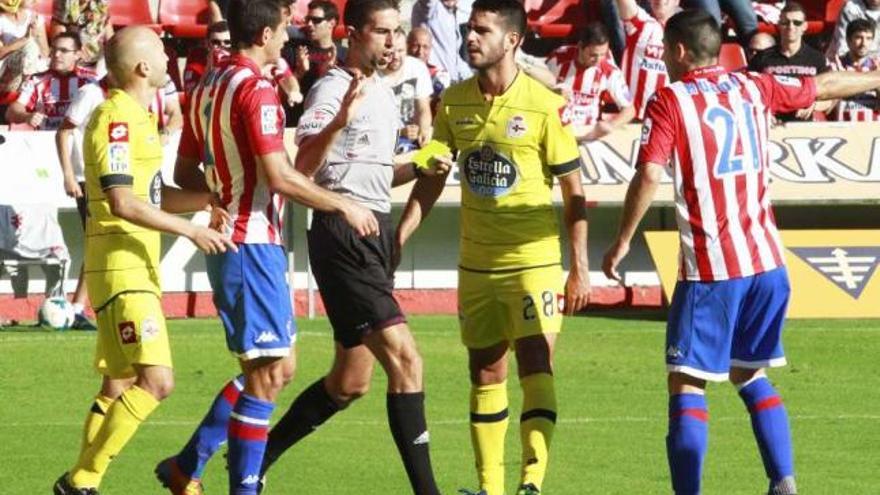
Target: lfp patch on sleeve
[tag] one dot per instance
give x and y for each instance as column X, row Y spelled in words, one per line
column 269, row 119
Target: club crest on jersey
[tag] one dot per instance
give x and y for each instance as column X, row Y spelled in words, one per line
column 156, row 189
column 269, row 119
column 488, row 173
column 516, row 127
column 118, row 132
column 127, row 333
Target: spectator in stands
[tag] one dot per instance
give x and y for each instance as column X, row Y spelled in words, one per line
column 410, row 80
column 313, row 57
column 419, row 45
column 90, row 19
column 642, row 62
column 741, row 13
column 588, row 78
column 865, row 107
column 446, row 20
column 44, row 97
column 197, row 59
column 791, row 56
column 24, row 50
column 852, row 10
column 759, row 42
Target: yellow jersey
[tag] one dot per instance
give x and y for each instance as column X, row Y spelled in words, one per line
column 509, row 150
column 121, row 148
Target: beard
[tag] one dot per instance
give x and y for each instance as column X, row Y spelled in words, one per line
column 485, row 59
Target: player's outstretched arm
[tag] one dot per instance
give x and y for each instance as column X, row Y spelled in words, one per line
column 285, row 180
column 577, row 287
column 125, row 205
column 638, row 198
column 421, row 199
column 832, row 85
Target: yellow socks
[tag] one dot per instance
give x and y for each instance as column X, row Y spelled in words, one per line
column 123, row 418
column 536, row 425
column 94, row 420
column 488, row 429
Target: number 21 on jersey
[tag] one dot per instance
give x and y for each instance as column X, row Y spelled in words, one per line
column 732, row 159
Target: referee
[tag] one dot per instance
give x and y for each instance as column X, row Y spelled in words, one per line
column 346, row 140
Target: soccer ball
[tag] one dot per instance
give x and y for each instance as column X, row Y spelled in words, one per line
column 57, row 313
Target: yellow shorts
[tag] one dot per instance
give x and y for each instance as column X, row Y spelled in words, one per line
column 504, row 307
column 131, row 330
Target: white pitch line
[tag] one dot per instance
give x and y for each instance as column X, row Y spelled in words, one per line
column 463, row 421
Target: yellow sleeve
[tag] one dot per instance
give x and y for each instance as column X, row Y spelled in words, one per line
column 561, row 154
column 110, row 139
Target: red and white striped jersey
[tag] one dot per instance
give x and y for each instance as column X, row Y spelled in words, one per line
column 50, row 93
column 643, row 64
column 860, row 108
column 588, row 87
column 713, row 125
column 235, row 115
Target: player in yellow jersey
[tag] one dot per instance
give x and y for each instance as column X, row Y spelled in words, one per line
column 123, row 155
column 512, row 142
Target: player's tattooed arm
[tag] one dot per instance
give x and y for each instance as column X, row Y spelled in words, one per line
column 638, row 198
column 577, row 286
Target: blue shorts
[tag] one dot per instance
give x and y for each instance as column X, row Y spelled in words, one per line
column 714, row 326
column 253, row 299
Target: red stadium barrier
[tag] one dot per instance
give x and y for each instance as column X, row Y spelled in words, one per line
column 184, row 18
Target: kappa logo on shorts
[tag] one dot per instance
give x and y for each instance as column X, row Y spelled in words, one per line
column 673, row 352
column 849, row 268
column 127, row 332
column 149, row 329
column 266, row 337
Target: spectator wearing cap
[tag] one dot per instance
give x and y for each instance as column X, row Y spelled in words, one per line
column 791, row 56
column 860, row 34
column 852, row 10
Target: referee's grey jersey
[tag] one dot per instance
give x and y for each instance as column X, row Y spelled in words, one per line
column 359, row 162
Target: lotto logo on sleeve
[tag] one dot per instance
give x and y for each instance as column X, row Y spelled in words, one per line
column 118, row 132
column 269, row 119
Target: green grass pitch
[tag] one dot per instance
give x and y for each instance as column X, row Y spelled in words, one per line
column 609, row 440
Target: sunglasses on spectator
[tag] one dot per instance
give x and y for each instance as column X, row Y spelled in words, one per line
column 313, row 19
column 221, row 43
column 792, row 22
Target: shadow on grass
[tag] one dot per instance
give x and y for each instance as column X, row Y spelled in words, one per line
column 643, row 314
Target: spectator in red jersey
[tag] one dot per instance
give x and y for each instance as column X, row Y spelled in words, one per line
column 642, row 61
column 588, row 78
column 864, row 107
column 197, row 60
column 313, row 57
column 23, row 47
column 852, row 10
column 792, row 57
column 44, row 97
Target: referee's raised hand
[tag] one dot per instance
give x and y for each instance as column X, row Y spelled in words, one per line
column 352, row 98
column 361, row 219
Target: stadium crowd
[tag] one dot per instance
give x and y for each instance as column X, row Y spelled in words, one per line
column 68, row 73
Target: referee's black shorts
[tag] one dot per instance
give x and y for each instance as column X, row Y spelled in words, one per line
column 354, row 276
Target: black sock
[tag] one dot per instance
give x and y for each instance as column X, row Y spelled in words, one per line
column 309, row 411
column 406, row 416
